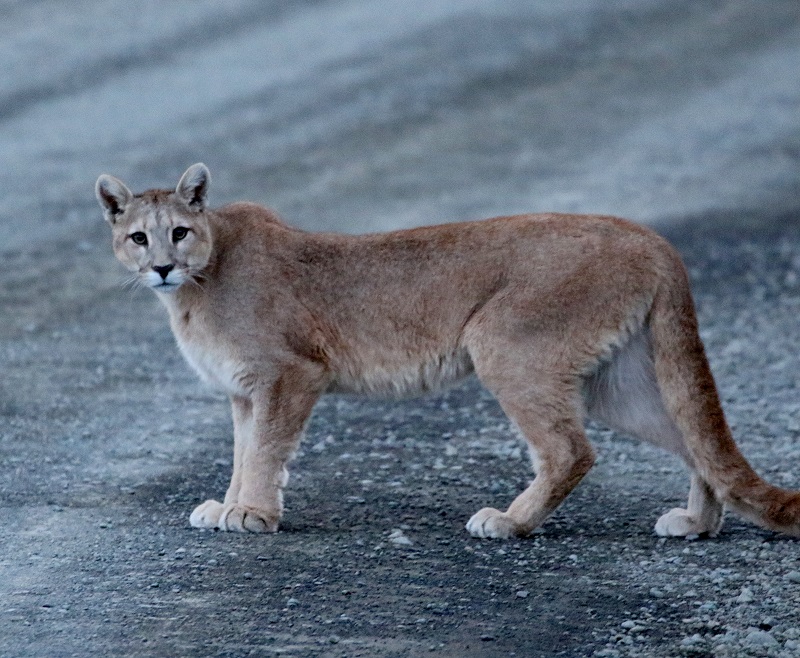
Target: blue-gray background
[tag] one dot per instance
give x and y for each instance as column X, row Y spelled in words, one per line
column 368, row 115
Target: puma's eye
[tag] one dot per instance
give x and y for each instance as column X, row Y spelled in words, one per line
column 179, row 233
column 139, row 238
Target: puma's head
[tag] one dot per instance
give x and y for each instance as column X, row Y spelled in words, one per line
column 160, row 235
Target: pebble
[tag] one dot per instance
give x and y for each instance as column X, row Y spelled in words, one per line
column 522, row 594
column 399, row 539
column 692, row 640
column 746, row 596
column 607, row 653
column 793, row 576
column 759, row 639
column 633, row 626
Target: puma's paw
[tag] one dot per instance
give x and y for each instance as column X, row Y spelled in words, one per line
column 239, row 518
column 206, row 515
column 679, row 523
column 492, row 523
column 233, row 518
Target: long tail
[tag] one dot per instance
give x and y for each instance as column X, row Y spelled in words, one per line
column 691, row 398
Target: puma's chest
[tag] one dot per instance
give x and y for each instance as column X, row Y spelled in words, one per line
column 217, row 363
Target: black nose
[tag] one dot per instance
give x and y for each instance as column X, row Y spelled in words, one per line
column 163, row 270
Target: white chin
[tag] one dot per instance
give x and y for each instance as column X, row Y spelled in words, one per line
column 165, row 287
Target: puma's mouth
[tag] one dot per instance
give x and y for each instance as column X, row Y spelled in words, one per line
column 164, row 286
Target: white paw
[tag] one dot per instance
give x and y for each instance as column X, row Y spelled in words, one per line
column 492, row 523
column 679, row 523
column 233, row 518
column 206, row 515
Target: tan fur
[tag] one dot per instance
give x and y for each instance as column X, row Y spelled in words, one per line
column 560, row 316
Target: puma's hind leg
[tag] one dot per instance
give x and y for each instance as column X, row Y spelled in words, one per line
column 563, row 456
column 624, row 394
column 702, row 516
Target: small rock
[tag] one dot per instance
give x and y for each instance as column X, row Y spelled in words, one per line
column 291, row 603
column 487, row 638
column 746, row 596
column 759, row 640
column 522, row 594
column 399, row 539
column 793, row 576
column 692, row 640
column 632, row 626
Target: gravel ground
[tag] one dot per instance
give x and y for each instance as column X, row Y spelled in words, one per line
column 681, row 113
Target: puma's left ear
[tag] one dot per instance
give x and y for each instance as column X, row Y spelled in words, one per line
column 193, row 186
column 113, row 196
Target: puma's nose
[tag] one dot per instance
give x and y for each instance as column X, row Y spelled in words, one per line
column 163, row 270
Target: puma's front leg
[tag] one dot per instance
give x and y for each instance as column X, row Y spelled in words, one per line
column 207, row 514
column 275, row 422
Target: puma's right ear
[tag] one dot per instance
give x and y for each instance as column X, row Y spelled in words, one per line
column 193, row 186
column 113, row 196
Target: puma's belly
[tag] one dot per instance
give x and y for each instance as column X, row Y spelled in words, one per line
column 400, row 378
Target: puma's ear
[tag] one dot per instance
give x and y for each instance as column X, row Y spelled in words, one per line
column 193, row 186
column 113, row 196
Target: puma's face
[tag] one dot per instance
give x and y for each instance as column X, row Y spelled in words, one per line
column 164, row 247
column 163, row 237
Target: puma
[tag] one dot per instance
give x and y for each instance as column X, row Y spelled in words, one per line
column 561, row 317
